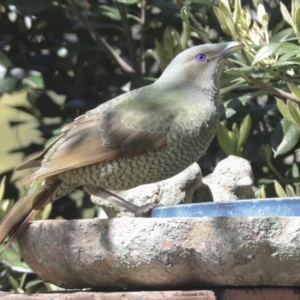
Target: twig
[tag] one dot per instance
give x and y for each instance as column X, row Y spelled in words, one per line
column 142, row 50
column 128, row 36
column 273, row 90
column 127, row 69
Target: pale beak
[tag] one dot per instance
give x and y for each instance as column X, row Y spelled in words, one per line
column 232, row 47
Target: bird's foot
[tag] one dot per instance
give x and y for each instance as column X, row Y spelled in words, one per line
column 145, row 210
column 138, row 211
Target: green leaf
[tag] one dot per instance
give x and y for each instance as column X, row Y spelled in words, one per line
column 261, row 192
column 285, row 111
column 297, row 18
column 295, row 90
column 286, row 15
column 294, row 111
column 282, row 35
column 237, row 11
column 184, row 15
column 290, row 191
column 244, row 131
column 225, row 9
column 266, row 51
column 279, row 189
column 4, row 61
column 224, row 139
column 279, row 64
column 36, row 82
column 222, row 20
column 291, row 135
column 235, row 138
column 242, row 71
column 266, row 153
column 2, row 188
column 297, row 186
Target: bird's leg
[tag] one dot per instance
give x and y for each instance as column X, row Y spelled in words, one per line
column 113, row 198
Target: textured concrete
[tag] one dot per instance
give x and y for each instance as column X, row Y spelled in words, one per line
column 138, row 253
column 178, row 189
column 167, row 295
column 232, row 179
column 218, row 294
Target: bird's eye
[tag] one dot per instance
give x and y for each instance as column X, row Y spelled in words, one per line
column 200, row 57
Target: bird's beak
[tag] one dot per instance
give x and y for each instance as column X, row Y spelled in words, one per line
column 231, row 47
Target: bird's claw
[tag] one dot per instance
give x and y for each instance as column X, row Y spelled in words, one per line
column 145, row 210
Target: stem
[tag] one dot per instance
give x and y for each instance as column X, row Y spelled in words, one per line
column 273, row 90
column 128, row 36
column 142, row 51
column 127, row 69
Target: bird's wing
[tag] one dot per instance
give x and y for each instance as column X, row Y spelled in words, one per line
column 117, row 132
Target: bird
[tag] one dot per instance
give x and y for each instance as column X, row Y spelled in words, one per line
column 143, row 136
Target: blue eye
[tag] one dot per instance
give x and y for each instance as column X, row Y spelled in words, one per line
column 200, row 57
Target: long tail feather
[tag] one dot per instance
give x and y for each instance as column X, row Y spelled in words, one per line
column 24, row 210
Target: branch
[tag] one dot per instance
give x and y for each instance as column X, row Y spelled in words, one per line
column 273, row 90
column 128, row 36
column 127, row 69
column 142, row 51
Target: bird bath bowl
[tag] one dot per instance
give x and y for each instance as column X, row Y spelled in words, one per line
column 188, row 246
column 289, row 207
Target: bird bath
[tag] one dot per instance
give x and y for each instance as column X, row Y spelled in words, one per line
column 172, row 252
column 289, row 207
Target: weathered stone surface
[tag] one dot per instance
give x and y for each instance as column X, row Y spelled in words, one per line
column 220, row 294
column 167, row 295
column 178, row 189
column 139, row 253
column 259, row 294
column 232, row 179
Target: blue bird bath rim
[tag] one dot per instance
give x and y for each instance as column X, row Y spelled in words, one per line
column 289, row 207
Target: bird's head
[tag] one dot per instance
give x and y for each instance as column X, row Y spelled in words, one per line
column 201, row 65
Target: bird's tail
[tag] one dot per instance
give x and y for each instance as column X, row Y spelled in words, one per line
column 21, row 213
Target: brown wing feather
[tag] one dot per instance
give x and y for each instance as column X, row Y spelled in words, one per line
column 81, row 144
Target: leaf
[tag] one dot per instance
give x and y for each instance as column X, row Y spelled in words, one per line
column 237, row 11
column 281, row 35
column 266, row 51
column 36, row 82
column 285, row 111
column 261, row 192
column 290, row 191
column 244, row 131
column 294, row 89
column 294, row 111
column 224, row 139
column 266, row 152
column 184, row 15
column 242, row 71
column 279, row 189
column 235, row 137
column 279, row 64
column 4, row 61
column 228, row 17
column 222, row 20
column 297, row 18
column 291, row 135
column 286, row 15
column 2, row 188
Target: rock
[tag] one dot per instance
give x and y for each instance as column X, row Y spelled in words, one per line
column 167, row 295
column 232, row 179
column 178, row 189
column 164, row 253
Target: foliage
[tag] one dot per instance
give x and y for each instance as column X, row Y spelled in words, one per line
column 60, row 59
